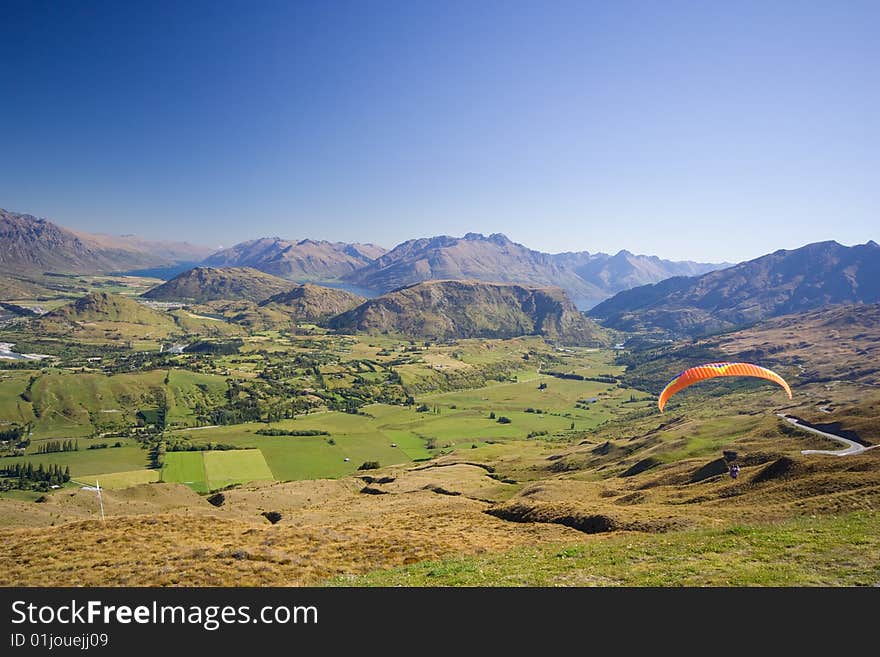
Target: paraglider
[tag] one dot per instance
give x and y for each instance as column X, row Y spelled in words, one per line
column 712, row 370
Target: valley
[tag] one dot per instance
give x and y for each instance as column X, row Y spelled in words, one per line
column 252, row 428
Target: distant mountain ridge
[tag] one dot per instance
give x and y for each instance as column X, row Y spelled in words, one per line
column 306, row 260
column 32, row 244
column 470, row 309
column 783, row 282
column 587, row 278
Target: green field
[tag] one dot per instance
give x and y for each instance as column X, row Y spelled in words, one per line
column 66, row 404
column 90, row 461
column 186, row 468
column 235, row 467
column 210, row 470
column 131, row 478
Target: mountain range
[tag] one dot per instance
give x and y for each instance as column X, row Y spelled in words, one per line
column 31, row 244
column 587, row 278
column 622, row 291
column 306, row 260
column 783, row 282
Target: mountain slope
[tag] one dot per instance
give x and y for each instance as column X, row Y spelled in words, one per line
column 776, row 284
column 306, row 260
column 465, row 309
column 587, row 278
column 202, row 284
column 99, row 311
column 31, row 244
column 312, row 303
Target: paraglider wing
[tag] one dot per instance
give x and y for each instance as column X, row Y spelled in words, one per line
column 712, row 370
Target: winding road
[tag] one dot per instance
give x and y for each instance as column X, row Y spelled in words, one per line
column 852, row 447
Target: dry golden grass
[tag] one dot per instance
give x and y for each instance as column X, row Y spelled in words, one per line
column 327, row 529
column 165, row 535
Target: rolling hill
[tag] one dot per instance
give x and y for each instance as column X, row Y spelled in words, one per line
column 102, row 311
column 31, row 244
column 203, row 284
column 306, row 260
column 465, row 309
column 780, row 283
column 586, row 278
column 312, row 303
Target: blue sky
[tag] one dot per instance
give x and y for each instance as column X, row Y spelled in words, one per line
column 691, row 130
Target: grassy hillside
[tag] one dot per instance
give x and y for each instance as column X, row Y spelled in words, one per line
column 62, row 404
column 202, row 284
column 835, row 550
column 443, row 310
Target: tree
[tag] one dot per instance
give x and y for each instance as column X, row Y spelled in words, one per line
column 492, row 415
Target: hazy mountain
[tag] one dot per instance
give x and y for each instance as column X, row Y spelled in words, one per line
column 472, row 257
column 776, row 284
column 587, row 278
column 465, row 309
column 312, row 303
column 164, row 250
column 306, row 260
column 202, row 284
column 31, row 244
column 626, row 270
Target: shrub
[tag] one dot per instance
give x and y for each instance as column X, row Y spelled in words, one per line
column 504, row 420
column 368, row 465
column 271, row 516
column 217, row 499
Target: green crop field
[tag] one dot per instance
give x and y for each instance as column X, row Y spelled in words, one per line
column 185, row 468
column 132, row 478
column 89, row 461
column 235, row 467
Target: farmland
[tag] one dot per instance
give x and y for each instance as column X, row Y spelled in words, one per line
column 469, row 462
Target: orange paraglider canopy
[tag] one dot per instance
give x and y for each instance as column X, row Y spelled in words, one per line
column 712, row 370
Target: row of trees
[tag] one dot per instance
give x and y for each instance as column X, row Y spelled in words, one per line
column 26, row 472
column 51, row 446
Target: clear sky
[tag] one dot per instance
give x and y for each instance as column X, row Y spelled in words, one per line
column 692, row 130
